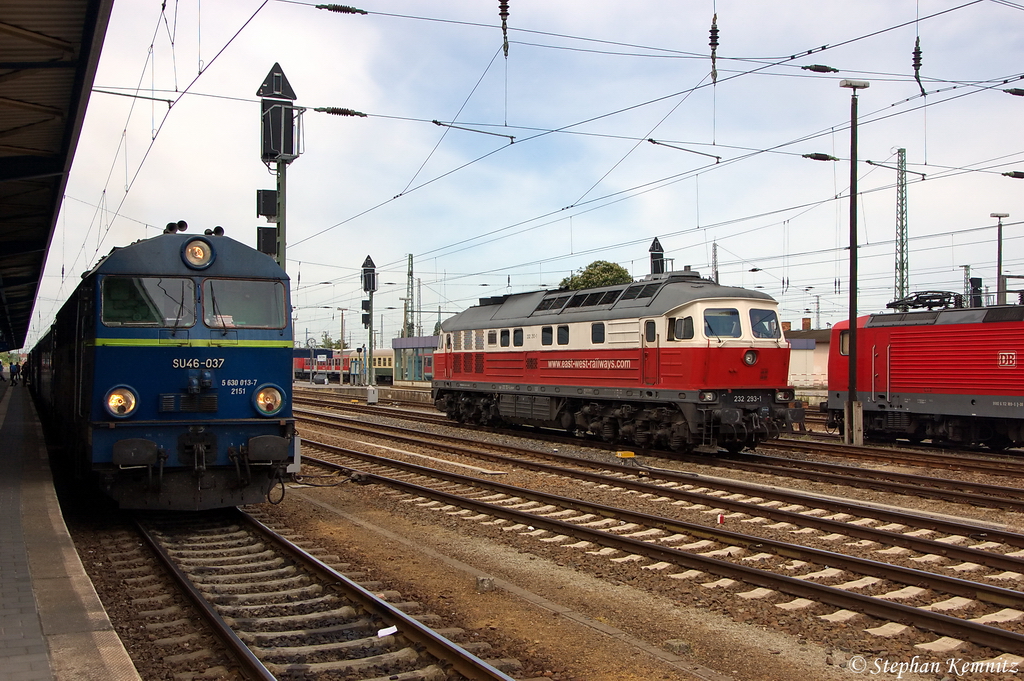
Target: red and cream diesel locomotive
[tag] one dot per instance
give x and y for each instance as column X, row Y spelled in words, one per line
column 952, row 375
column 673, row 361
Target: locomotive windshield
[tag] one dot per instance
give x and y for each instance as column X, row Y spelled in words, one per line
column 147, row 301
column 241, row 303
column 765, row 324
column 722, row 322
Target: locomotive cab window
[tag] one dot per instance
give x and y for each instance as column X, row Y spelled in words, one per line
column 517, row 337
column 765, row 324
column 650, row 331
column 240, row 303
column 597, row 332
column 844, row 342
column 148, row 301
column 563, row 334
column 680, row 329
column 546, row 336
column 505, row 338
column 722, row 322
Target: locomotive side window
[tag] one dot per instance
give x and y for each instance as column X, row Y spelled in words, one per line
column 844, row 342
column 517, row 337
column 240, row 303
column 546, row 336
column 597, row 332
column 563, row 334
column 650, row 331
column 765, row 324
column 148, row 301
column 722, row 322
column 449, row 341
column 492, row 337
column 505, row 338
column 682, row 329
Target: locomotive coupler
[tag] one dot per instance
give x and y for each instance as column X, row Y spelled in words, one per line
column 199, row 452
column 240, row 460
column 161, row 457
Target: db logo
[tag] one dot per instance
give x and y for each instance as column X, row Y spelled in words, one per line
column 1008, row 359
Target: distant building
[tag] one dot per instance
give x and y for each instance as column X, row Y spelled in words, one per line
column 414, row 359
column 808, row 361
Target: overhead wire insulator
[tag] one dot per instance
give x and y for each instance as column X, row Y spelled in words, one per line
column 503, row 13
column 820, row 68
column 342, row 9
column 917, row 64
column 339, row 111
column 714, row 48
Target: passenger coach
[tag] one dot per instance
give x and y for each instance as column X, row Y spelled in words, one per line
column 673, row 361
column 167, row 374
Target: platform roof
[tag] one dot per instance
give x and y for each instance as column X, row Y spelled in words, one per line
column 49, row 50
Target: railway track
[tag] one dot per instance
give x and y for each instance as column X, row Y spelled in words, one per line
column 956, row 491
column 959, row 461
column 752, row 567
column 284, row 613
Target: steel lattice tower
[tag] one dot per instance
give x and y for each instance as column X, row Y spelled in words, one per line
column 902, row 259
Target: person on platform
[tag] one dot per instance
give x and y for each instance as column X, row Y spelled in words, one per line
column 15, row 372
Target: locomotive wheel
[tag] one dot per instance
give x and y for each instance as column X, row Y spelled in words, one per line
column 998, row 443
column 734, row 446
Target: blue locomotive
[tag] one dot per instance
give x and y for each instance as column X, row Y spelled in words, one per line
column 167, row 374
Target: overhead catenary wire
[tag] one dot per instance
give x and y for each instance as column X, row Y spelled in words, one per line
column 562, row 131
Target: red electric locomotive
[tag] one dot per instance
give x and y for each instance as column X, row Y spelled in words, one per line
column 673, row 361
column 951, row 376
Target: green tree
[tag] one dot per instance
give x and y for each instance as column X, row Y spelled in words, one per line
column 597, row 273
column 327, row 342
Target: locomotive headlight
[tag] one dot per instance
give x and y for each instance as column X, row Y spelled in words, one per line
column 706, row 396
column 197, row 254
column 268, row 400
column 121, row 402
column 750, row 357
column 784, row 395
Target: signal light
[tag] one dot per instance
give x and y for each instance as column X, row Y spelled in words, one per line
column 366, row 319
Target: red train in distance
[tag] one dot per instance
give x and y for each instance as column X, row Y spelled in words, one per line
column 673, row 362
column 950, row 376
column 334, row 367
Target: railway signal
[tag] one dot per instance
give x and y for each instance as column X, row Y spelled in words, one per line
column 280, row 125
column 369, row 277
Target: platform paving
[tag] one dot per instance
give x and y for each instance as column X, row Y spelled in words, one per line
column 52, row 624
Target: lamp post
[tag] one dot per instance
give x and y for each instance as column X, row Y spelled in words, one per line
column 854, row 431
column 1000, row 285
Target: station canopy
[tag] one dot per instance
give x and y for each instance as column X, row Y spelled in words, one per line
column 49, row 50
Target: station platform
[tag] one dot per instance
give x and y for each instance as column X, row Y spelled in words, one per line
column 52, row 624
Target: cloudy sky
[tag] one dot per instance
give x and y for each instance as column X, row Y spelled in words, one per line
column 546, row 165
